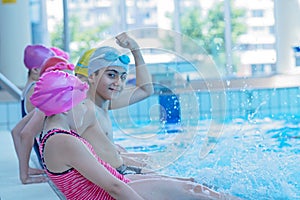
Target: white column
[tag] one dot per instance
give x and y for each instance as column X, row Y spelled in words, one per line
column 123, row 15
column 15, row 34
column 177, row 26
column 287, row 24
column 228, row 37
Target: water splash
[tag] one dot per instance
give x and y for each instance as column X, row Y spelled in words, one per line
column 247, row 160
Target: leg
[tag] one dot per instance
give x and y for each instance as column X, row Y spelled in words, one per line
column 155, row 176
column 164, row 188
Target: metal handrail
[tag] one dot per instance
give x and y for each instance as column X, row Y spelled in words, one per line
column 10, row 87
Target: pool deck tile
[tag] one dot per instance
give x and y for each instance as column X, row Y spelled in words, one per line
column 11, row 187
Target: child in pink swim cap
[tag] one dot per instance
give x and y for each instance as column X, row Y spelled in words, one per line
column 60, row 53
column 34, row 60
column 35, row 55
column 57, row 91
column 56, row 63
column 38, row 59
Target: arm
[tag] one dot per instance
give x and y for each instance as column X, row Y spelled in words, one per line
column 71, row 152
column 29, row 106
column 133, row 160
column 144, row 87
column 27, row 135
column 17, row 130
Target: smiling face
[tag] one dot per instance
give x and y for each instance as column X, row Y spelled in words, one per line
column 110, row 82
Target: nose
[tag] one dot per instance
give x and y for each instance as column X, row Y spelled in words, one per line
column 118, row 80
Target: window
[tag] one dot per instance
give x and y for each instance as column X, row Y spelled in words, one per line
column 257, row 13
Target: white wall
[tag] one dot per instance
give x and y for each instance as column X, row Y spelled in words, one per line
column 287, row 21
column 15, row 34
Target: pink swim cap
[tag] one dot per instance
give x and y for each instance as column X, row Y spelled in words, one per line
column 56, row 63
column 35, row 55
column 59, row 52
column 57, row 91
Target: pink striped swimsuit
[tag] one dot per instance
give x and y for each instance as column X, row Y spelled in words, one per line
column 71, row 183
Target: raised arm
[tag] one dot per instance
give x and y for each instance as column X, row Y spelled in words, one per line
column 143, row 87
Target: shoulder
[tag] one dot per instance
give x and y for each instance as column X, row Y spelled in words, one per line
column 89, row 103
column 90, row 109
column 29, row 88
column 38, row 113
column 65, row 149
column 63, row 142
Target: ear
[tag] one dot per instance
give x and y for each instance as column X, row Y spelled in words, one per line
column 35, row 73
column 36, row 70
column 91, row 78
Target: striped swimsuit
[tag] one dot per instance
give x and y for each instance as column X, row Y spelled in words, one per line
column 71, row 183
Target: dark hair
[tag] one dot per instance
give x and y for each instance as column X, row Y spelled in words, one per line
column 97, row 72
column 29, row 72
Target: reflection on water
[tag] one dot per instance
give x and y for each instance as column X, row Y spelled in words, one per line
column 254, row 160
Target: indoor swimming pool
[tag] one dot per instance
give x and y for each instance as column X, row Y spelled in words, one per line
column 252, row 159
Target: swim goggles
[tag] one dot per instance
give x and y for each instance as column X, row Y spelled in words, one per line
column 112, row 56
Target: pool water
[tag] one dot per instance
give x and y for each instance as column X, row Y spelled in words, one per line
column 256, row 159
